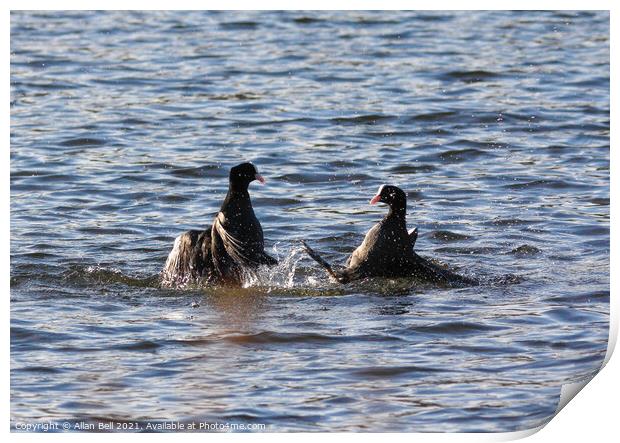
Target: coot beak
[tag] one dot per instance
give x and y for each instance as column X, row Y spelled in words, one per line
column 375, row 199
column 260, row 178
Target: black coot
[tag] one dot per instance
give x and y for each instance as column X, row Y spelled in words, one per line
column 387, row 249
column 227, row 250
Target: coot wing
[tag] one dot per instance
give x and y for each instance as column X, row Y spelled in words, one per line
column 362, row 252
column 189, row 259
column 413, row 236
column 232, row 245
column 243, row 251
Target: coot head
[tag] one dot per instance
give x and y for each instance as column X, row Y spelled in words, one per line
column 391, row 195
column 245, row 173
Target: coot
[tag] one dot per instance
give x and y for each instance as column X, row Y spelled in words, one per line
column 228, row 249
column 387, row 249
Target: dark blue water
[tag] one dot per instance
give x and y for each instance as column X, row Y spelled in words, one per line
column 124, row 126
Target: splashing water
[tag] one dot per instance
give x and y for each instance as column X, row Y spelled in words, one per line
column 280, row 276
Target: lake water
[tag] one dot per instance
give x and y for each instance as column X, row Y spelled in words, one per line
column 124, row 126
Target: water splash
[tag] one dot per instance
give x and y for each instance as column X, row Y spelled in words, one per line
column 282, row 275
